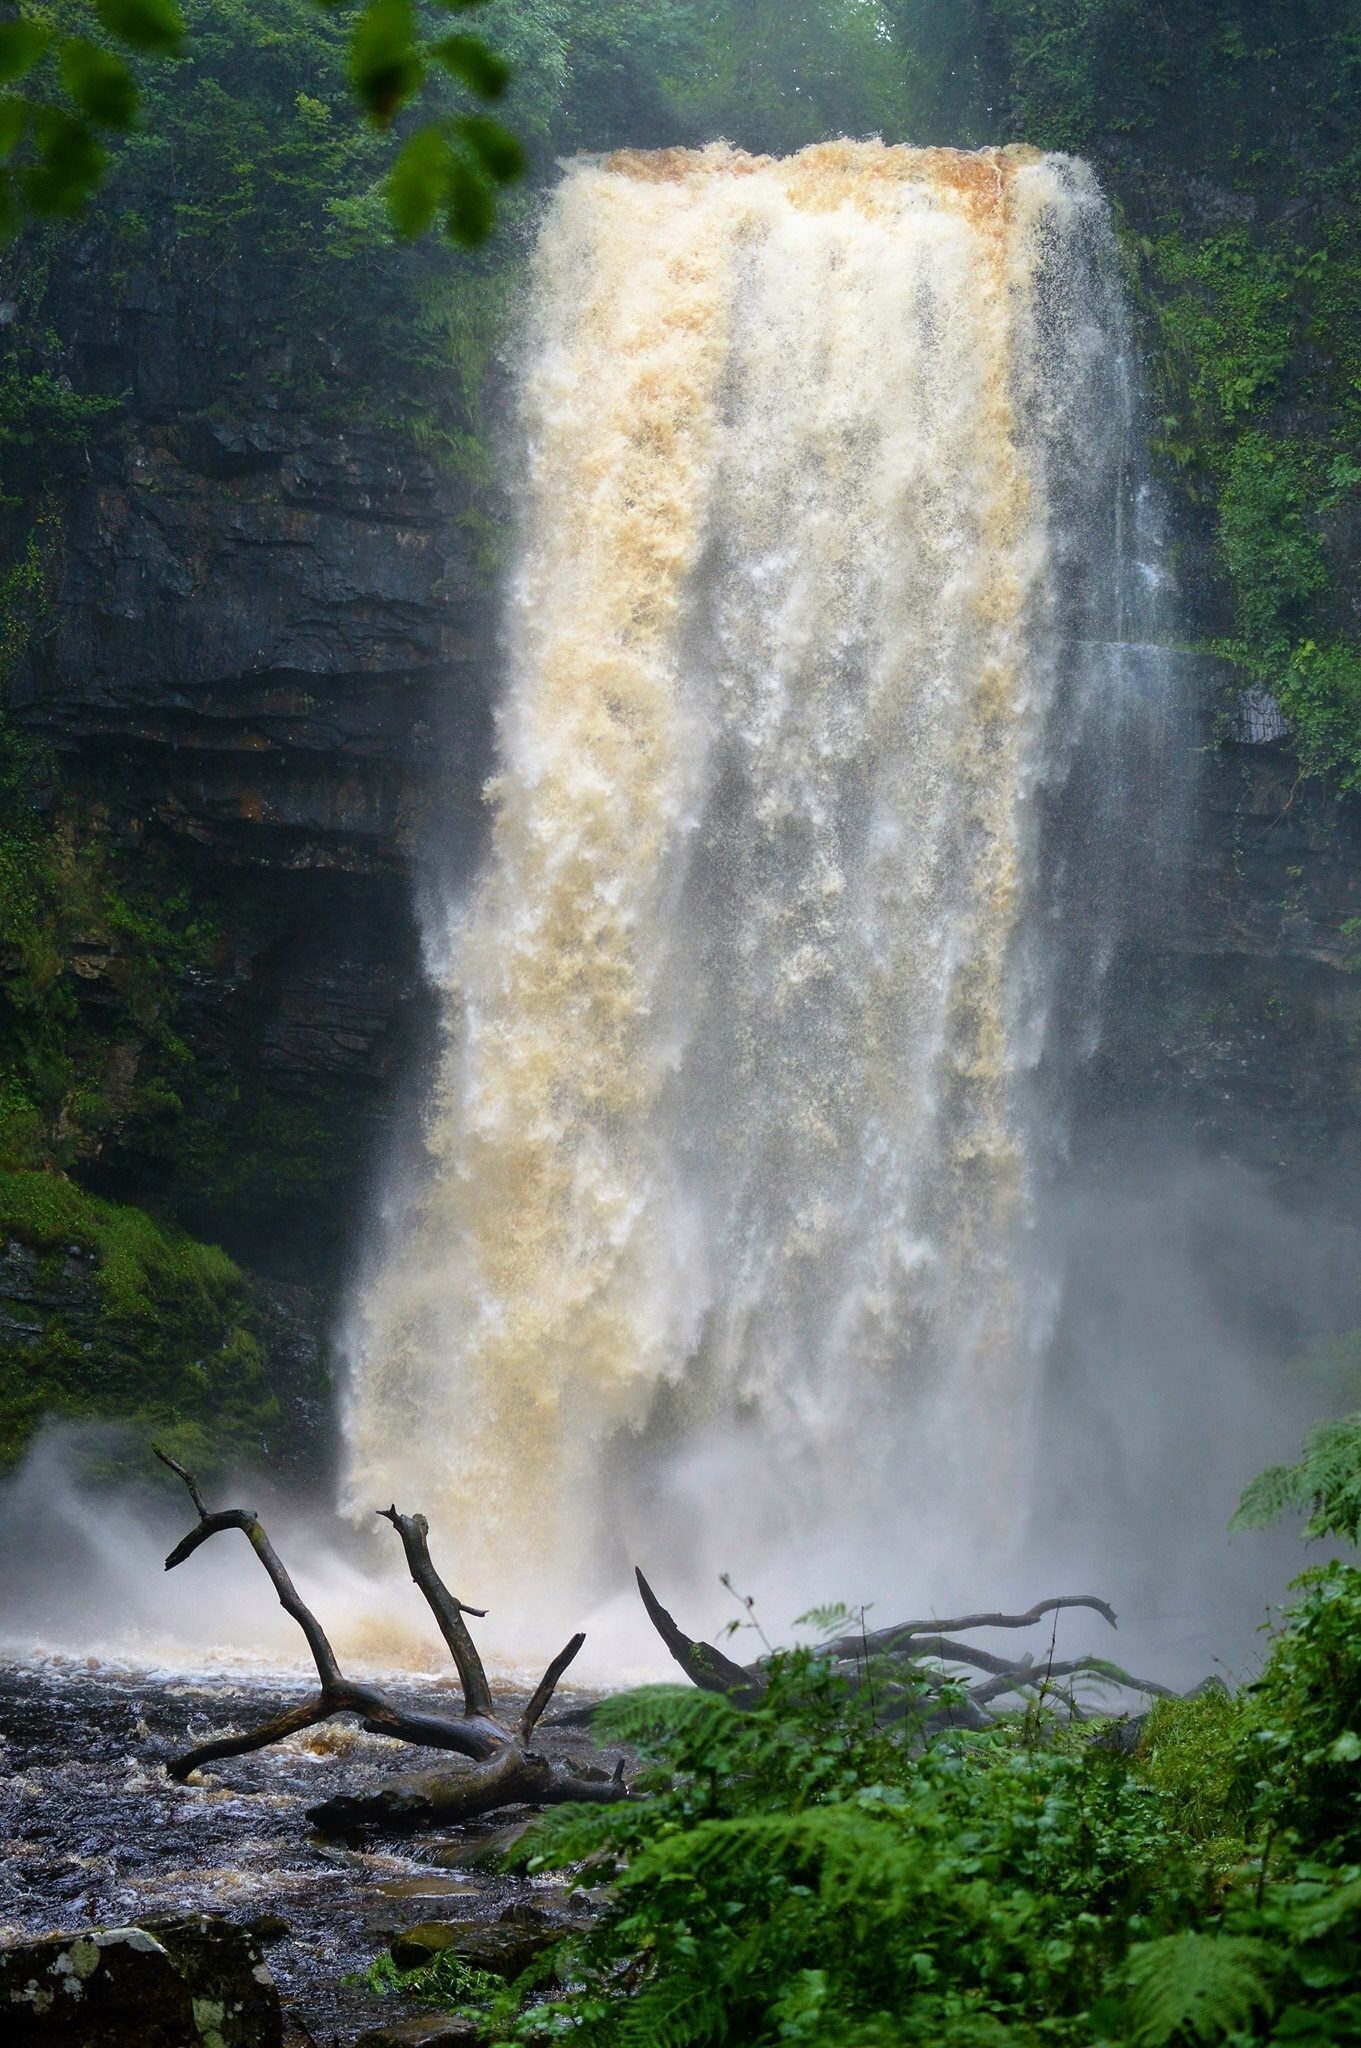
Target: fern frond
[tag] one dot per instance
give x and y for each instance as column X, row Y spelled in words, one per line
column 567, row 1835
column 1267, row 1497
column 1327, row 1480
column 653, row 1712
column 1197, row 1987
column 674, row 2012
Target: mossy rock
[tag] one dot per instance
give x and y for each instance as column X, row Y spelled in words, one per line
column 504, row 1949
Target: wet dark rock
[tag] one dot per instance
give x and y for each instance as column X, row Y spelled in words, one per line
column 524, row 1913
column 268, row 1927
column 1234, row 1012
column 93, row 1990
column 260, row 629
column 505, row 1948
column 235, row 2002
column 422, row 2030
column 480, row 1852
column 265, row 665
column 192, row 1982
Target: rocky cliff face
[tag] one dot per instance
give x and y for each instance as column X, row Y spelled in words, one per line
column 266, row 655
column 1234, row 1014
column 262, row 671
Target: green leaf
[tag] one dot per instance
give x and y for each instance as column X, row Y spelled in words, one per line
column 470, row 211
column 154, row 25
column 11, row 212
column 386, row 68
column 418, row 183
column 469, row 59
column 100, row 83
column 70, row 162
column 14, row 113
column 21, row 45
column 496, row 149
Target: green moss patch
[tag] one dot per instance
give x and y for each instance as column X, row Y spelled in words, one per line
column 106, row 1314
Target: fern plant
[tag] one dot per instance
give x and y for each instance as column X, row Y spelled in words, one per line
column 801, row 1872
column 832, row 1865
column 1197, row 1987
column 1325, row 1483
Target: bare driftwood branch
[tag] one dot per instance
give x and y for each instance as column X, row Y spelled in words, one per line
column 703, row 1665
column 910, row 1643
column 887, row 1641
column 502, row 1771
column 447, row 1610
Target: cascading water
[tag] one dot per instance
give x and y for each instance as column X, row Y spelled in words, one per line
column 727, row 1222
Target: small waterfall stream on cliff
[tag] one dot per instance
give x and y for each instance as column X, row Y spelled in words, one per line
column 756, row 1019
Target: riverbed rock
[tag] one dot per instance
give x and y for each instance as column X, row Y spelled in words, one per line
column 504, row 1949
column 94, row 1989
column 236, row 2004
column 423, row 2030
column 191, row 1982
column 481, row 1852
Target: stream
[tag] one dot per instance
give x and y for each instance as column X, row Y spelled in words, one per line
column 94, row 1833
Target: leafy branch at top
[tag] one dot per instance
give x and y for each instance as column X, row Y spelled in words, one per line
column 65, row 90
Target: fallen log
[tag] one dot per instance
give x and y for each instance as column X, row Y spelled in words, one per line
column 502, row 1768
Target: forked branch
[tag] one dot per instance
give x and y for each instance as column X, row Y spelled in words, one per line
column 446, row 1608
column 504, row 1772
column 702, row 1664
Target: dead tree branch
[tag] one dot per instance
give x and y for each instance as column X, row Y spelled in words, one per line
column 703, row 1665
column 911, row 1644
column 503, row 1770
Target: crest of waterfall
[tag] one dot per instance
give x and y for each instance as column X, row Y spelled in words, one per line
column 725, row 1237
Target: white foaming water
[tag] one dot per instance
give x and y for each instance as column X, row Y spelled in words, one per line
column 724, row 1247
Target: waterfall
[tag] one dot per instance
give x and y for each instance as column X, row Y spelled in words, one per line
column 725, row 1238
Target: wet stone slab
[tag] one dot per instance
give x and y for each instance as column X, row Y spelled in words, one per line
column 93, row 1834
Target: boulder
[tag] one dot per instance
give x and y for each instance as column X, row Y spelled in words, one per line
column 504, row 1949
column 103, row 1989
column 193, row 1982
column 233, row 1994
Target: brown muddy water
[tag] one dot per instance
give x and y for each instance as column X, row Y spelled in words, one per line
column 93, row 1832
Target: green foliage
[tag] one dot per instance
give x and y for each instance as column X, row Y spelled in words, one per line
column 832, row 1868
column 776, row 74
column 68, row 90
column 804, row 1872
column 1230, row 137
column 73, row 86
column 44, row 425
column 1191, row 1753
column 94, row 952
column 1303, row 1731
column 122, row 1319
column 445, row 1981
column 1325, row 1484
column 451, row 166
column 1197, row 1987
